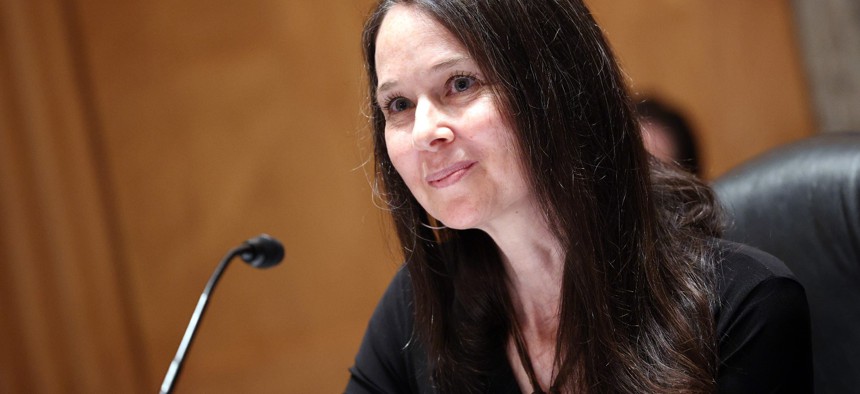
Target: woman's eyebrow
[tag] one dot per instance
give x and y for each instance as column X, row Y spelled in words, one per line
column 448, row 63
column 385, row 87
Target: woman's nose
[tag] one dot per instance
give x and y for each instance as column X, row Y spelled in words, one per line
column 431, row 129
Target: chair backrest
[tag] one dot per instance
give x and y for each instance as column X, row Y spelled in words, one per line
column 801, row 203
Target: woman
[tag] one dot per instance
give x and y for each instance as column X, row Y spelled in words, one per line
column 544, row 251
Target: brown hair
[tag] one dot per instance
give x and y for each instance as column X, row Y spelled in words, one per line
column 637, row 293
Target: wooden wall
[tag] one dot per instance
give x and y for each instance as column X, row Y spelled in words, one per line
column 139, row 141
column 733, row 67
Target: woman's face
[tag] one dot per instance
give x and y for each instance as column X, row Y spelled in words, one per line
column 443, row 130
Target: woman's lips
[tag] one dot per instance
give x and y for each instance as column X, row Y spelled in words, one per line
column 449, row 175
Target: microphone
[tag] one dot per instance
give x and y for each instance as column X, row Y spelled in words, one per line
column 262, row 251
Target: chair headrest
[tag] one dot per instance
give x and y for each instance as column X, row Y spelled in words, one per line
column 802, row 199
column 801, row 203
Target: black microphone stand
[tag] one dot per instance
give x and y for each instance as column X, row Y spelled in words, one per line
column 260, row 252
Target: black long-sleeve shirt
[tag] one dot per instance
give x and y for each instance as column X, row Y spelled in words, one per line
column 762, row 327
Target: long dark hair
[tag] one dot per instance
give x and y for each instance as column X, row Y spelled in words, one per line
column 637, row 298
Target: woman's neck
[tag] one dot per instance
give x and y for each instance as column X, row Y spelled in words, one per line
column 534, row 280
column 534, row 262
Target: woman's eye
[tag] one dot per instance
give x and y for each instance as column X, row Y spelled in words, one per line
column 397, row 104
column 462, row 83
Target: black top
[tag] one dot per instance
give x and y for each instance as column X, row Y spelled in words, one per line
column 762, row 326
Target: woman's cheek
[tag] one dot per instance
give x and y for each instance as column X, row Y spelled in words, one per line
column 399, row 146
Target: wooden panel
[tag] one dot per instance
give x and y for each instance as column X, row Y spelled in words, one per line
column 733, row 66
column 222, row 120
column 65, row 321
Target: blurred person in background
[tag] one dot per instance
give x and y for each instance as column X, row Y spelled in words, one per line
column 667, row 135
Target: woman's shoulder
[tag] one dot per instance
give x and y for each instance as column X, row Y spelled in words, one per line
column 394, row 311
column 741, row 269
column 762, row 322
column 389, row 359
column 748, row 278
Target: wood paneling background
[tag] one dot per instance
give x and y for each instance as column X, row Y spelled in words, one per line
column 732, row 67
column 139, row 141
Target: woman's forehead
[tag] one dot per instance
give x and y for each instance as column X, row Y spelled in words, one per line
column 409, row 39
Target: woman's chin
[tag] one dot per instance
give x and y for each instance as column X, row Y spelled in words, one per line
column 459, row 222
column 455, row 226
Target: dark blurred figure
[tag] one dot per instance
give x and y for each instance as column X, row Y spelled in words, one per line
column 667, row 135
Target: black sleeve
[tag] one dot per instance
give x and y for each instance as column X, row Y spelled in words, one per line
column 383, row 363
column 764, row 343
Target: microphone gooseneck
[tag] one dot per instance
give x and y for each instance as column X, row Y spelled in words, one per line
column 262, row 251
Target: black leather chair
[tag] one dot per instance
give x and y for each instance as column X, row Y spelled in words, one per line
column 801, row 203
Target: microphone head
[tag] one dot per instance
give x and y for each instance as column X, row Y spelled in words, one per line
column 263, row 251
